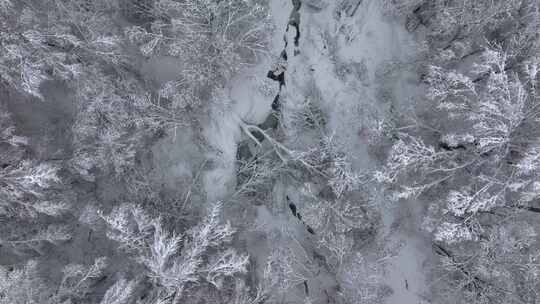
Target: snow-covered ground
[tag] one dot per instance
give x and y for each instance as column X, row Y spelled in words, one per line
column 349, row 60
column 247, row 98
column 405, row 273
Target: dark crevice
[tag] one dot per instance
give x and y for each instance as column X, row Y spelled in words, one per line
column 277, row 77
column 283, row 55
column 258, row 135
column 295, row 24
column 306, row 288
column 296, row 213
column 276, row 105
column 447, row 147
column 278, row 72
column 294, row 20
column 293, row 209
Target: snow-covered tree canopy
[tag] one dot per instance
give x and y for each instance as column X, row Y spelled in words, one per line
column 269, row 151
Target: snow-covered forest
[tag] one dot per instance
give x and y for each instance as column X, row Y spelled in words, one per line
column 269, row 151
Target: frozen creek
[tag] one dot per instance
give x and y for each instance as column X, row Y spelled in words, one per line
column 323, row 50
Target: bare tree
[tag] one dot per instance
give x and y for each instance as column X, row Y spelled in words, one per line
column 175, row 261
column 472, row 160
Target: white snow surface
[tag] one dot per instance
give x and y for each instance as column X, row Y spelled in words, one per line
column 249, row 97
column 330, row 46
column 347, row 60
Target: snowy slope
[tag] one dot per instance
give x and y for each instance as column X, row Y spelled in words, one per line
column 348, row 59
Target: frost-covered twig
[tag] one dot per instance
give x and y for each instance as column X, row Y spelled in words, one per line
column 280, row 149
column 173, row 261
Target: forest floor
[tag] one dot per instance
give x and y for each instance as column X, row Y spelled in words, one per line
column 405, row 272
column 351, row 61
column 376, row 44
